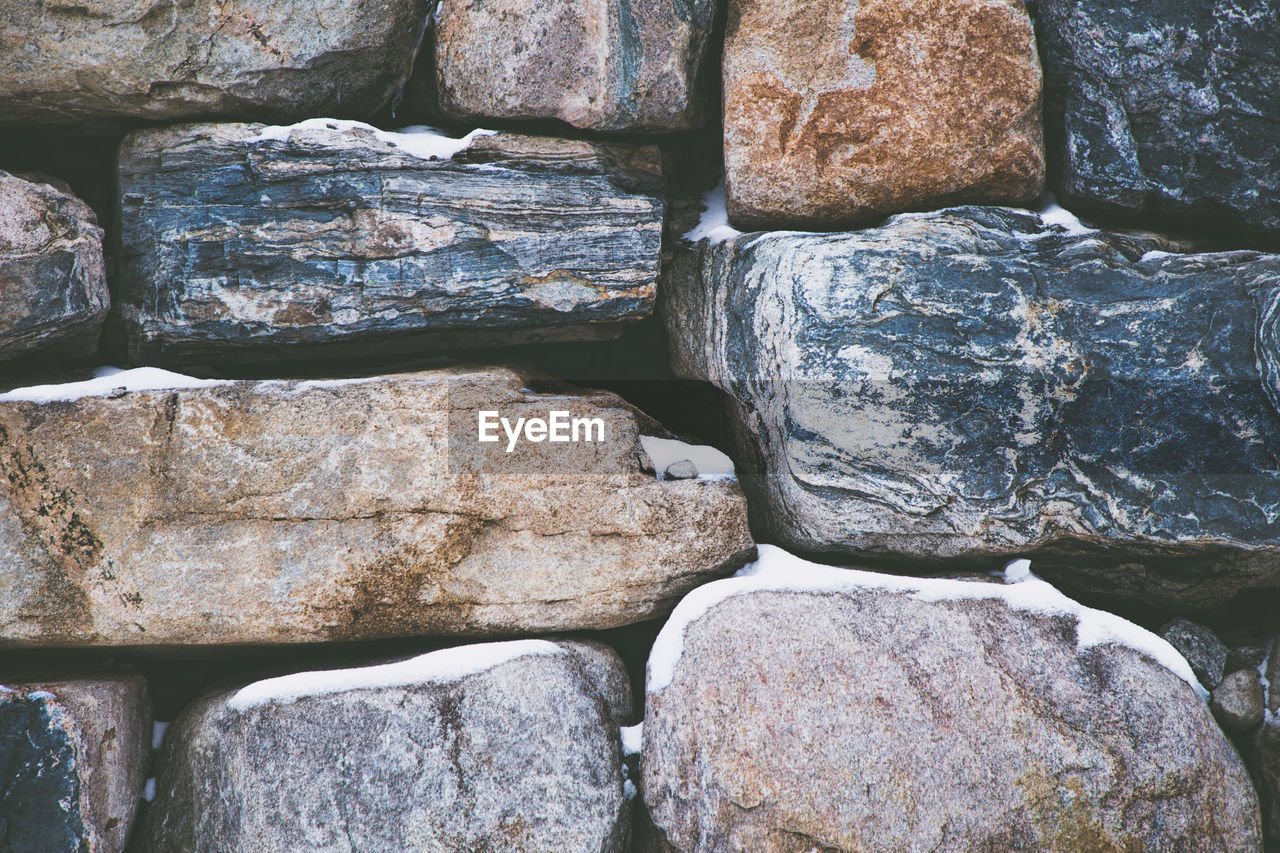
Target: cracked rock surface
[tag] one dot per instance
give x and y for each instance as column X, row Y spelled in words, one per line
column 524, row 755
column 291, row 511
column 976, row 384
column 234, row 244
column 879, row 721
column 1168, row 109
column 103, row 63
column 53, row 284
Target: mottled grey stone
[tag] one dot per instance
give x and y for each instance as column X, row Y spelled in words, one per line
column 253, row 513
column 1266, row 749
column 975, row 383
column 606, row 65
column 1201, row 647
column 234, row 243
column 682, row 470
column 104, row 63
column 1245, row 657
column 53, row 284
column 1169, row 109
column 73, row 756
column 880, row 721
column 517, row 755
column 1237, row 701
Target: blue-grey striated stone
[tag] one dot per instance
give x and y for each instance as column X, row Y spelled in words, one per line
column 106, row 63
column 606, row 65
column 72, row 756
column 1169, row 108
column 238, row 238
column 53, row 284
column 974, row 383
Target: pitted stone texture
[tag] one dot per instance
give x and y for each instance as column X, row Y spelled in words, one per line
column 1238, row 700
column 606, row 65
column 1201, row 647
column 976, row 384
column 879, row 721
column 74, row 755
column 53, row 284
column 104, row 63
column 284, row 511
column 1169, row 109
column 235, row 244
column 524, row 755
column 841, row 112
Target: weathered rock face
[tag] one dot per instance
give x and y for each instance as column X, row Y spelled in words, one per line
column 1267, row 754
column 239, row 238
column 274, row 512
column 884, row 720
column 74, row 755
column 836, row 113
column 53, row 285
column 624, row 65
column 976, row 384
column 101, row 65
column 1238, row 700
column 1201, row 647
column 506, row 746
column 1169, row 109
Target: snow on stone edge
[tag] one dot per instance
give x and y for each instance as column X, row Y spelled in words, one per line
column 433, row 667
column 713, row 225
column 777, row 570
column 419, row 140
column 107, row 380
column 632, row 738
column 665, row 452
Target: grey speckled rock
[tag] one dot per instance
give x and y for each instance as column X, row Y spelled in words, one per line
column 973, row 383
column 288, row 512
column 1201, row 647
column 1169, row 108
column 879, row 721
column 607, row 65
column 1266, row 746
column 73, row 755
column 330, row 234
column 1238, row 700
column 102, row 63
column 505, row 747
column 53, row 285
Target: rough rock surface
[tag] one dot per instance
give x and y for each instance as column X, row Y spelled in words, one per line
column 73, row 756
column 521, row 755
column 605, row 65
column 875, row 107
column 1170, row 109
column 274, row 512
column 101, row 63
column 880, row 721
column 1238, row 700
column 1201, row 647
column 974, row 383
column 53, row 284
column 238, row 239
column 1266, row 744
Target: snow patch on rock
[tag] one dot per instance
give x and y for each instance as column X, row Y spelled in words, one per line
column 108, row 380
column 714, row 225
column 632, row 738
column 419, row 140
column 777, row 570
column 665, row 452
column 431, row 668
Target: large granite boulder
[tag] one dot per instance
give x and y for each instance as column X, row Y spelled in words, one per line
column 841, row 112
column 238, row 238
column 976, row 383
column 73, row 756
column 894, row 713
column 103, row 63
column 1168, row 109
column 607, row 65
column 504, row 746
column 53, row 284
column 291, row 511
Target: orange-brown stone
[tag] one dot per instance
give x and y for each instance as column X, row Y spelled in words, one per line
column 836, row 113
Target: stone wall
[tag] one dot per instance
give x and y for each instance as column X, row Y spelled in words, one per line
column 655, row 425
